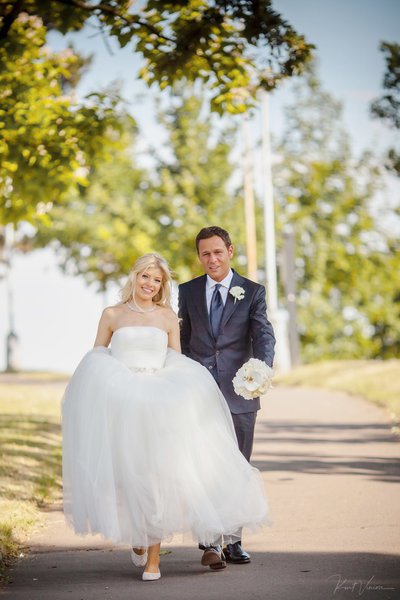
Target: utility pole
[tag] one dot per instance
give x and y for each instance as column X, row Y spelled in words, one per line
column 249, row 205
column 11, row 338
column 278, row 316
column 269, row 214
column 289, row 283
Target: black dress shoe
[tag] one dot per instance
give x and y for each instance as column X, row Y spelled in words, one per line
column 235, row 554
column 213, row 557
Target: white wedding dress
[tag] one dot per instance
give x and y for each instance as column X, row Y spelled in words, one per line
column 149, row 448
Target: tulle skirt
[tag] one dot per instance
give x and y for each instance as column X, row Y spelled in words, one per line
column 147, row 455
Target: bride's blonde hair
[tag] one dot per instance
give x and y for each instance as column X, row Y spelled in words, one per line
column 163, row 298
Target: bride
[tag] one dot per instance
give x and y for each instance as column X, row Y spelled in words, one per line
column 149, row 447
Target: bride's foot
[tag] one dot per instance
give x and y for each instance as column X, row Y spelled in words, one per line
column 152, row 570
column 147, row 576
column 152, row 567
column 139, row 556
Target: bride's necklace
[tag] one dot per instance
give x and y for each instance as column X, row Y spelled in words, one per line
column 138, row 308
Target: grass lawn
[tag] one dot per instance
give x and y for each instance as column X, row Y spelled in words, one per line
column 377, row 381
column 30, row 455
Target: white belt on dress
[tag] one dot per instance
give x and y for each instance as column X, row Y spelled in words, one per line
column 144, row 369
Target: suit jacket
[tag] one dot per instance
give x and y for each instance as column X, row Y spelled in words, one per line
column 244, row 332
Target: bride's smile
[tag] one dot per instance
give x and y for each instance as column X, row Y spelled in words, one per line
column 148, row 285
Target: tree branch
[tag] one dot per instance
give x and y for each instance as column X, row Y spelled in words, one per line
column 129, row 19
column 9, row 19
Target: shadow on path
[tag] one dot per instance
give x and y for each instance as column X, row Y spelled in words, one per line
column 327, row 449
column 109, row 575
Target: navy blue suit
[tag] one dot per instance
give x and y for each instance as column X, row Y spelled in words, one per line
column 244, row 332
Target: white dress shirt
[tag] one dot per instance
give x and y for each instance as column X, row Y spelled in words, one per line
column 223, row 290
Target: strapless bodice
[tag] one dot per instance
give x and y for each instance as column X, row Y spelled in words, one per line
column 141, row 348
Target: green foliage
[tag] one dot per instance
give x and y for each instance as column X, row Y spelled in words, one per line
column 388, row 106
column 128, row 210
column 192, row 186
column 348, row 299
column 103, row 227
column 47, row 140
column 233, row 47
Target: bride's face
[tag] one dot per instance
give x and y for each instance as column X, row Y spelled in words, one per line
column 148, row 283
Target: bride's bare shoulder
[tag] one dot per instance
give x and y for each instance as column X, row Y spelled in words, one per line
column 169, row 314
column 115, row 308
column 111, row 312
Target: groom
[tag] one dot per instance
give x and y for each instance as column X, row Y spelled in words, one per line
column 221, row 328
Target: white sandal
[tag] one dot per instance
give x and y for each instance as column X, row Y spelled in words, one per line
column 139, row 560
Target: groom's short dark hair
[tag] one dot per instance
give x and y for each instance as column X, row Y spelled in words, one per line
column 209, row 232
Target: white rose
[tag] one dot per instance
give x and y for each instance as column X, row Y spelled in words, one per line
column 253, row 379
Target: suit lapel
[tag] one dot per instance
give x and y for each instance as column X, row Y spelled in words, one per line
column 201, row 302
column 230, row 304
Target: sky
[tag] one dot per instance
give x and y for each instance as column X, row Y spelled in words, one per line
column 56, row 315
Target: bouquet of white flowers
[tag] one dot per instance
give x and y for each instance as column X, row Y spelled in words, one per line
column 253, row 379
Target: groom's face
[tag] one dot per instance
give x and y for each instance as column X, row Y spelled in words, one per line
column 215, row 257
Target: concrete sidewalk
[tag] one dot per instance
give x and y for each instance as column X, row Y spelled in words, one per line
column 332, row 474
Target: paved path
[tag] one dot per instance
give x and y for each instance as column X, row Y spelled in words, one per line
column 332, row 473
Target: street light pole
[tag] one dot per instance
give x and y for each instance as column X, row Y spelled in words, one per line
column 278, row 316
column 249, row 205
column 269, row 216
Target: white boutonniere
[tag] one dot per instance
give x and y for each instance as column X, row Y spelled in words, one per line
column 237, row 292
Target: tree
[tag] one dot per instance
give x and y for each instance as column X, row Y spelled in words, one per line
column 127, row 210
column 48, row 141
column 348, row 301
column 233, row 47
column 192, row 185
column 387, row 107
column 104, row 226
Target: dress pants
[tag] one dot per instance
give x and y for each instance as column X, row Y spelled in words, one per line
column 244, row 424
